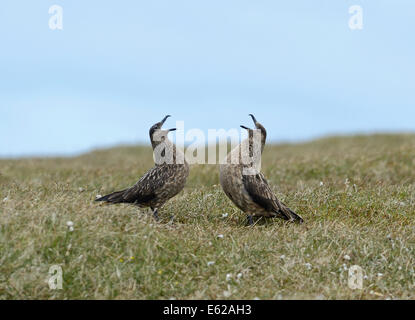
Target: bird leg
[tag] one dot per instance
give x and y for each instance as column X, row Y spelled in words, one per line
column 171, row 219
column 250, row 220
column 155, row 214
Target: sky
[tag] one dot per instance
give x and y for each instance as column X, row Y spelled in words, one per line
column 117, row 67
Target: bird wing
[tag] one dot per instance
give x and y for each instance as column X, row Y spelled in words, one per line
column 261, row 193
column 146, row 188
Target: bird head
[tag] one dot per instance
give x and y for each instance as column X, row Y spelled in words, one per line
column 156, row 133
column 258, row 126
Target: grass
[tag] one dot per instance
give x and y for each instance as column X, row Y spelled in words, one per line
column 356, row 194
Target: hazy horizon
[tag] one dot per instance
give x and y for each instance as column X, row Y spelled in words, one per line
column 209, row 144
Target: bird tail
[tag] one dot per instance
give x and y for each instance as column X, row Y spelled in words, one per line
column 292, row 215
column 115, row 197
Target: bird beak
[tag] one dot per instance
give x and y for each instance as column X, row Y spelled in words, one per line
column 253, row 118
column 174, row 129
column 160, row 124
column 246, row 128
column 164, row 119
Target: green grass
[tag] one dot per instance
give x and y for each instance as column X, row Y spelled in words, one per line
column 365, row 208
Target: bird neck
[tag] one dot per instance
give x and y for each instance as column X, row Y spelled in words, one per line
column 252, row 140
column 263, row 135
column 165, row 152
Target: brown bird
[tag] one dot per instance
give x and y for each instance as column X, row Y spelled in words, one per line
column 247, row 187
column 160, row 183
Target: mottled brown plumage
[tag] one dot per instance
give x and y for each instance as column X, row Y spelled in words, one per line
column 160, row 183
column 251, row 192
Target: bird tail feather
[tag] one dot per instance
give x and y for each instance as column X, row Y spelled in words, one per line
column 115, row 197
column 293, row 216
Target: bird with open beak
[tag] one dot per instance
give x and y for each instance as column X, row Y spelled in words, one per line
column 161, row 183
column 247, row 189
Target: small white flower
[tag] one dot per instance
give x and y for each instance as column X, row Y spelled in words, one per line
column 345, row 267
column 256, row 298
column 346, row 257
column 228, row 277
column 239, row 275
column 321, row 183
column 282, row 257
column 225, row 215
column 80, row 189
column 6, row 199
column 365, row 277
column 210, row 263
column 220, row 236
column 308, row 266
column 380, row 275
column 399, row 268
column 69, row 224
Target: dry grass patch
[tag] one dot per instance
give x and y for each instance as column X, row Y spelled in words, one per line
column 356, row 194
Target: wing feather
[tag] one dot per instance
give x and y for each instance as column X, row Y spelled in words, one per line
column 262, row 194
column 147, row 187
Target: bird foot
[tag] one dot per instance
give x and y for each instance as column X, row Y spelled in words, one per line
column 156, row 216
column 249, row 220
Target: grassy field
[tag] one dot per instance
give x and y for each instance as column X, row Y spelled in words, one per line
column 356, row 194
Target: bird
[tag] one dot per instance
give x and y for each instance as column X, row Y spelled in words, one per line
column 162, row 182
column 246, row 186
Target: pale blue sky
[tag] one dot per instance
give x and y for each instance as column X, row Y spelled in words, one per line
column 119, row 66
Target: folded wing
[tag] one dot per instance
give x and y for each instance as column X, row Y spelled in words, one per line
column 144, row 190
column 262, row 194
